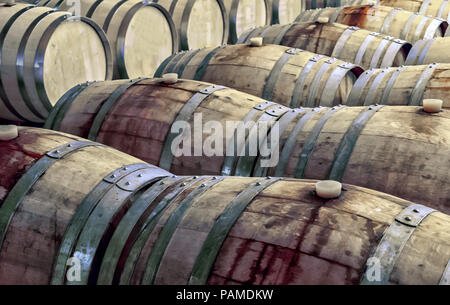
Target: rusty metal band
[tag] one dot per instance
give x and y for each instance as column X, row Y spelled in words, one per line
column 390, row 84
column 27, row 181
column 363, row 48
column 60, row 109
column 150, row 223
column 333, row 82
column 184, row 115
column 391, row 52
column 279, row 38
column 373, row 90
column 432, row 27
column 167, row 232
column 81, row 215
column 348, row 142
column 107, row 105
column 445, row 278
column 340, row 44
column 201, row 70
column 284, row 122
column 393, row 241
column 317, row 81
column 94, row 236
column 233, row 147
column 125, row 233
column 274, row 74
column 246, row 162
column 297, row 94
column 414, row 53
column 311, row 140
column 415, row 98
column 382, row 46
column 163, row 65
column 424, row 7
column 354, row 98
column 216, row 237
column 387, row 21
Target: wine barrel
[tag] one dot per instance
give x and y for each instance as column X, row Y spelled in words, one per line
column 364, row 48
column 429, row 51
column 164, row 229
column 142, row 33
column 289, row 76
column 398, row 150
column 199, row 23
column 383, row 19
column 406, row 85
column 285, row 11
column 435, row 8
column 246, row 14
column 314, row 4
column 40, row 60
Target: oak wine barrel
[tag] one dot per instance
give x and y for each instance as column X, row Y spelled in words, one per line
column 314, row 4
column 141, row 33
column 43, row 53
column 361, row 47
column 429, row 51
column 406, row 85
column 435, row 8
column 383, row 19
column 246, row 14
column 398, row 150
column 285, row 11
column 165, row 229
column 289, row 76
column 199, row 23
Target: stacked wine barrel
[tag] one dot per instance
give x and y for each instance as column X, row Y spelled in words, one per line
column 128, row 222
column 314, row 148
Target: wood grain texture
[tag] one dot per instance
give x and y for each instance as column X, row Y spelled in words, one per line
column 401, row 150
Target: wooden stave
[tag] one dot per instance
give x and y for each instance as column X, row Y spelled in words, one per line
column 435, row 8
column 31, row 146
column 433, row 86
column 429, row 51
column 232, row 7
column 180, row 15
column 200, row 67
column 430, row 27
column 292, row 36
column 359, row 163
column 31, row 103
column 370, row 211
column 276, row 12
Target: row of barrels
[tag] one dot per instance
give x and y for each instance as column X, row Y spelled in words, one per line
column 34, row 52
column 294, row 77
column 402, row 151
column 77, row 212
